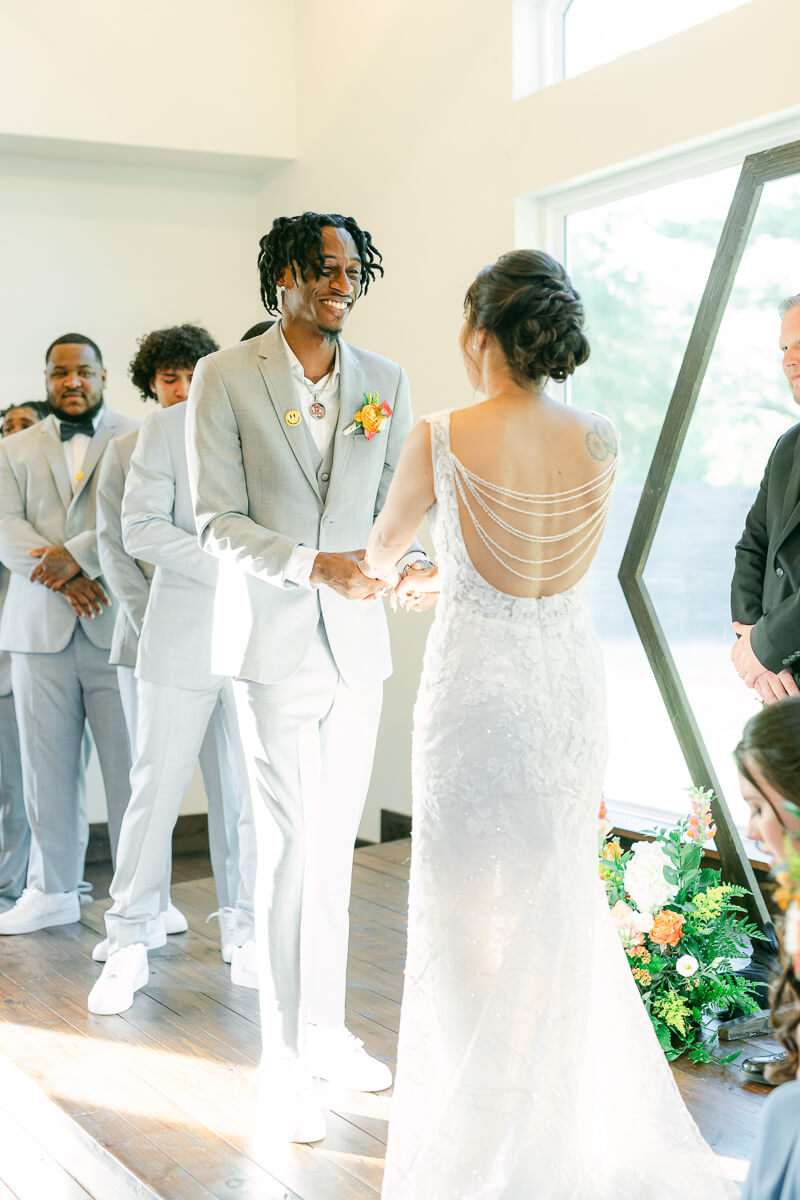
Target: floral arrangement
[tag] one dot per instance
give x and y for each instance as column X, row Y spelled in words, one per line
column 370, row 417
column 681, row 929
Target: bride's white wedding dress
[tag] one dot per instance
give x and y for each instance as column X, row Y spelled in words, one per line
column 527, row 1066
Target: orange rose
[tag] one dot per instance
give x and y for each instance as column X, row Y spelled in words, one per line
column 371, row 417
column 612, row 851
column 667, row 928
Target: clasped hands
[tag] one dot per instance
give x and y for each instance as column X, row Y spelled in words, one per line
column 349, row 574
column 767, row 685
column 58, row 570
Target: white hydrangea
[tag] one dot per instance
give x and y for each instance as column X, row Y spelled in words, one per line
column 644, row 877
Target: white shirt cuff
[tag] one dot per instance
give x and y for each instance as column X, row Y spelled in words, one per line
column 298, row 569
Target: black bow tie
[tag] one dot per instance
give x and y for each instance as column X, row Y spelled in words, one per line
column 69, row 429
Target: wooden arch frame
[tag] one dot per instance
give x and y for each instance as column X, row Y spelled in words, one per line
column 757, row 169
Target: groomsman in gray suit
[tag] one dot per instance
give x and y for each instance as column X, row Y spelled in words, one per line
column 57, row 623
column 183, row 708
column 286, row 488
column 15, row 835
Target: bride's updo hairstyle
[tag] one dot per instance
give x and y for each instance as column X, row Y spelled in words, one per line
column 526, row 299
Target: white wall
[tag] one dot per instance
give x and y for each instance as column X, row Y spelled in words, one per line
column 169, row 74
column 404, row 118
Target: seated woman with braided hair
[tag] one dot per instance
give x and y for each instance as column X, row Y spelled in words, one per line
column 768, row 758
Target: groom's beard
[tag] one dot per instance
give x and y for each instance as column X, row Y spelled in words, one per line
column 75, row 418
column 331, row 336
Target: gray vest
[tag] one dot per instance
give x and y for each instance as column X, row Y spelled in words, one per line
column 322, row 466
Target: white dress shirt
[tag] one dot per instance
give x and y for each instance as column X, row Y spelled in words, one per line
column 75, row 450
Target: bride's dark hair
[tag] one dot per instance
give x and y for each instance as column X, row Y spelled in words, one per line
column 526, row 299
column 771, row 742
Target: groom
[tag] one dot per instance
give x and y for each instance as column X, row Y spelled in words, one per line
column 285, row 496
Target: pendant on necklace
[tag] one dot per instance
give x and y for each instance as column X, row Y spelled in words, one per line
column 317, row 409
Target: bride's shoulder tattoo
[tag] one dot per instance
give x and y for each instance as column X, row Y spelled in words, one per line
column 601, row 441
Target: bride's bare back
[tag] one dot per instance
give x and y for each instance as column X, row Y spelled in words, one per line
column 534, row 480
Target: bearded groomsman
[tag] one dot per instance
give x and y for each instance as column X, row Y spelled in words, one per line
column 285, row 493
column 184, row 710
column 57, row 623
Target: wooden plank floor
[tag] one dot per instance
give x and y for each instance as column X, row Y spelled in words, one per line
column 158, row 1102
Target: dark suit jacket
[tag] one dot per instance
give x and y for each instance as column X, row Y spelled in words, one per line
column 765, row 590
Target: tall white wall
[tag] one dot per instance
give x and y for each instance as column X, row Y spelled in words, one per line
column 399, row 113
column 173, row 75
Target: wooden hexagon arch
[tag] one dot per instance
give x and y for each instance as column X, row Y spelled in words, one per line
column 757, row 169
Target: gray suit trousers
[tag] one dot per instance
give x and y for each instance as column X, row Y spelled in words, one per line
column 55, row 695
column 15, row 834
column 175, row 727
column 309, row 743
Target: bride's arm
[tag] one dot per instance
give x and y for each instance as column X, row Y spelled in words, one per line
column 409, row 497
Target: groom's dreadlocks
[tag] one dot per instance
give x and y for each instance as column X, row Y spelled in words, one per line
column 296, row 242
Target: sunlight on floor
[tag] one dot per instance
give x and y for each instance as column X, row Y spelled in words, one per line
column 96, row 1072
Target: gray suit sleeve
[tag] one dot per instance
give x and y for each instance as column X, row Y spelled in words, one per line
column 219, row 487
column 122, row 573
column 17, row 535
column 148, row 528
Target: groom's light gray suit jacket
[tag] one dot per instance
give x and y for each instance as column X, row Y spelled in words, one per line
column 259, row 493
column 38, row 508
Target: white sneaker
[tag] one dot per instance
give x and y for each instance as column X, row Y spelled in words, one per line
column 244, row 966
column 288, row 1108
column 338, row 1056
column 40, row 910
column 229, row 935
column 125, row 972
column 154, row 939
column 174, row 920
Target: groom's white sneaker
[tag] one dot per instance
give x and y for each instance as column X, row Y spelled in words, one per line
column 288, row 1107
column 125, row 972
column 338, row 1056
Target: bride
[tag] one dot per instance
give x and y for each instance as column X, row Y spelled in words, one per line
column 527, row 1065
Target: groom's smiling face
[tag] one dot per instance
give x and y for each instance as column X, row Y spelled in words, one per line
column 323, row 303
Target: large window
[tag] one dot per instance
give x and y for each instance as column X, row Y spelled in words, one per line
column 556, row 39
column 641, row 265
column 596, row 31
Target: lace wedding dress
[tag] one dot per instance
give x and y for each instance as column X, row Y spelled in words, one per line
column 527, row 1066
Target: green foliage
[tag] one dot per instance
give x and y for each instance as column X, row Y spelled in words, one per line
column 684, row 1003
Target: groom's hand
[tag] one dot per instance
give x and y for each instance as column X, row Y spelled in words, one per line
column 340, row 571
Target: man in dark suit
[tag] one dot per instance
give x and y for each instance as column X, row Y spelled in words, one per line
column 765, row 590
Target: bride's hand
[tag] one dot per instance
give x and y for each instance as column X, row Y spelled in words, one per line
column 417, row 590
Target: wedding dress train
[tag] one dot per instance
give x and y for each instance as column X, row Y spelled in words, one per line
column 527, row 1066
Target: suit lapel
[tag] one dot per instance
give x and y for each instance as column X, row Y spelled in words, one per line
column 792, row 516
column 94, row 450
column 351, row 385
column 280, row 387
column 56, row 460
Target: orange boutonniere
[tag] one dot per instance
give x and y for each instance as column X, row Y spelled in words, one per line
column 370, row 417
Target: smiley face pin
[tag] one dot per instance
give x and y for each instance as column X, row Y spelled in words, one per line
column 292, row 417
